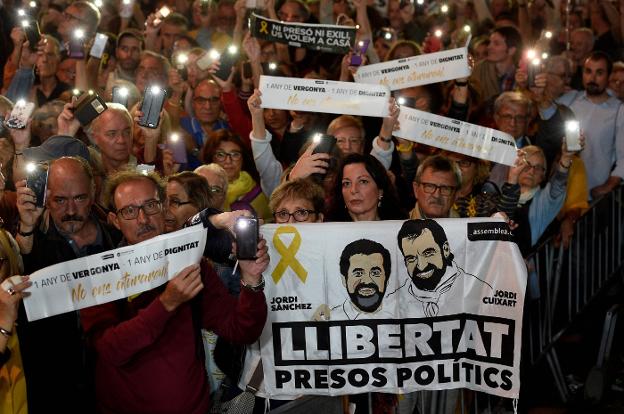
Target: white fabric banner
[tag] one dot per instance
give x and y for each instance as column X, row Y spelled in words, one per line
column 314, row 95
column 112, row 275
column 417, row 70
column 457, row 136
column 392, row 307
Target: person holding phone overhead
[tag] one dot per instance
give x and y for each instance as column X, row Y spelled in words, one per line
column 73, row 231
column 158, row 330
column 244, row 192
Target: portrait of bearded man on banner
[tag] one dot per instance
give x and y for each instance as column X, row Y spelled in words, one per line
column 365, row 267
column 436, row 281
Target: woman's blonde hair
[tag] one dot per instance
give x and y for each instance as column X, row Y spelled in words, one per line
column 11, row 249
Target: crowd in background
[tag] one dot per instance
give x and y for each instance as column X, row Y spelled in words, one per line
column 217, row 149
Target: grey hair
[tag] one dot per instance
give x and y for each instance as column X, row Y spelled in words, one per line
column 114, row 107
column 510, row 97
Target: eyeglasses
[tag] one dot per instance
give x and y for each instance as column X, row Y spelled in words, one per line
column 68, row 16
column 463, row 163
column 534, row 167
column 175, row 203
column 283, row 216
column 430, row 188
column 349, row 140
column 215, row 189
column 131, row 212
column 201, row 100
column 222, row 155
column 509, row 118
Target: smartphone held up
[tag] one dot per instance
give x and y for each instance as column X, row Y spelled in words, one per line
column 247, row 233
column 153, row 102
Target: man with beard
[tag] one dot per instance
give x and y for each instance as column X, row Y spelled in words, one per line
column 365, row 266
column 52, row 348
column 601, row 117
column 437, row 281
column 128, row 55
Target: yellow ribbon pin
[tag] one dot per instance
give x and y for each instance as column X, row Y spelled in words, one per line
column 263, row 27
column 288, row 254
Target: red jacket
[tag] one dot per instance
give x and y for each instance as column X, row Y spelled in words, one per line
column 147, row 358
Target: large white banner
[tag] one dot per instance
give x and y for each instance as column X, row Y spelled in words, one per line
column 417, row 70
column 314, row 95
column 457, row 136
column 112, row 275
column 391, row 307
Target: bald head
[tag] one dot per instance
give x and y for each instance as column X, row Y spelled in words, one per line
column 71, row 193
column 207, row 102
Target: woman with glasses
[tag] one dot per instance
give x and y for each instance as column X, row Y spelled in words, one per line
column 478, row 197
column 12, row 381
column 363, row 191
column 538, row 206
column 244, row 192
column 187, row 194
column 298, row 201
column 217, row 183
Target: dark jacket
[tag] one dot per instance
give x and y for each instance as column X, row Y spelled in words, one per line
column 59, row 377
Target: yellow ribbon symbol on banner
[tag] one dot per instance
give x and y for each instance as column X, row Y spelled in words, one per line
column 263, row 27
column 288, row 254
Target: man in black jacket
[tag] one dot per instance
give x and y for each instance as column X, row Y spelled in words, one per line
column 55, row 363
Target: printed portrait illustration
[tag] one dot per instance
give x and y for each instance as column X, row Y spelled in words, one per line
column 365, row 267
column 435, row 279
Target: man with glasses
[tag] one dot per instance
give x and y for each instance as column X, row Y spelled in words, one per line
column 207, row 108
column 435, row 188
column 80, row 14
column 151, row 342
column 153, row 69
column 512, row 115
column 74, row 231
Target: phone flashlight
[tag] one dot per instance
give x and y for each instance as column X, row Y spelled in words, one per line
column 548, row 34
column 155, row 90
column 544, row 56
column 79, row 33
column 530, row 54
column 21, row 12
column 467, row 29
column 214, row 54
column 182, row 58
column 30, row 167
column 572, row 126
column 272, row 66
column 438, row 33
column 232, row 49
column 174, row 137
column 32, row 4
column 444, row 9
column 317, row 138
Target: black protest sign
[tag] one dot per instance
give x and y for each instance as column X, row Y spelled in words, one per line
column 319, row 37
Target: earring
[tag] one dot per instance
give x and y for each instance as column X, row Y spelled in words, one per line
column 379, row 202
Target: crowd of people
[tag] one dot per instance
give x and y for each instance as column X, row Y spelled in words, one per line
column 216, row 151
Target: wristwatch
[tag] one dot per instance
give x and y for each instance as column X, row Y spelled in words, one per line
column 388, row 140
column 254, row 288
